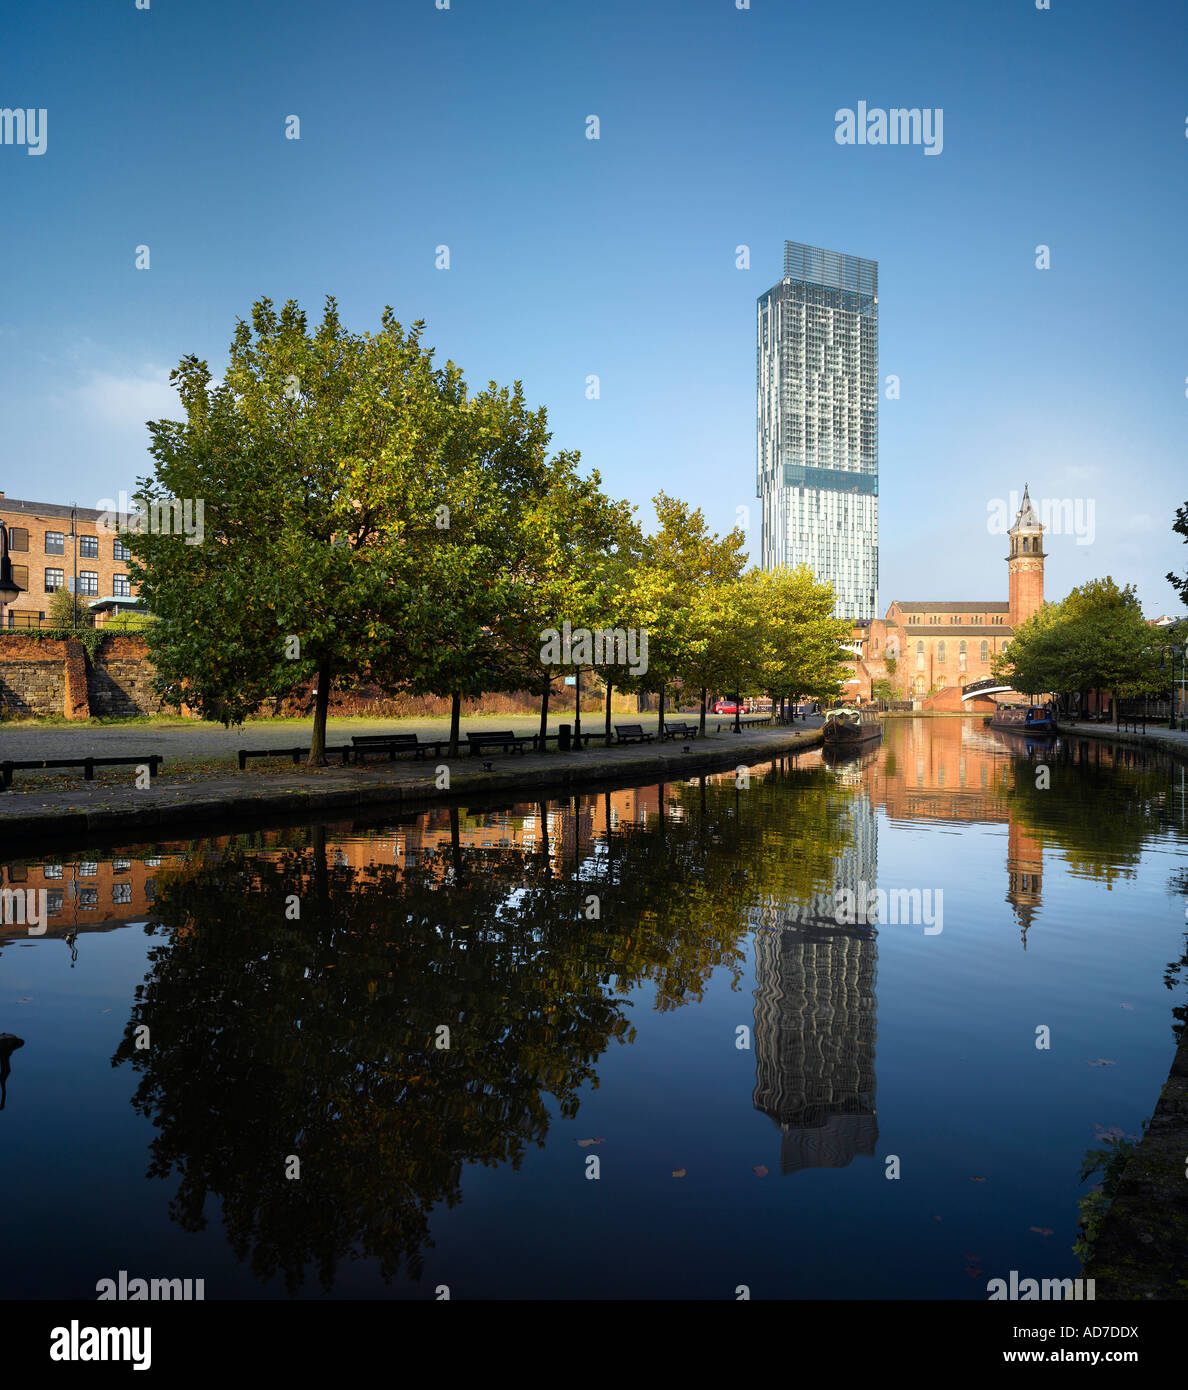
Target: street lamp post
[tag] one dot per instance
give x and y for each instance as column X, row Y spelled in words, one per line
column 74, row 540
column 10, row 590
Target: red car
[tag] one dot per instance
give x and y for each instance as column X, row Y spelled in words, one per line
column 726, row 707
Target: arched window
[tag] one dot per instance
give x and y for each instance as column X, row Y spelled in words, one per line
column 919, row 656
column 940, row 651
column 1024, row 542
column 985, row 651
column 961, row 656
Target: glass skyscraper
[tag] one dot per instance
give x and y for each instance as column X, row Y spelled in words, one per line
column 818, row 400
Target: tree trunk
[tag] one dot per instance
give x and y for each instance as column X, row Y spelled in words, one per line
column 577, row 710
column 455, row 719
column 456, row 844
column 544, row 714
column 737, row 708
column 660, row 718
column 317, row 743
column 701, row 726
column 609, row 689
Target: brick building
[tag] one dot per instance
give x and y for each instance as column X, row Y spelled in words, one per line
column 49, row 545
column 939, row 646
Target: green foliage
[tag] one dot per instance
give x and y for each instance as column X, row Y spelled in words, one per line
column 1180, row 527
column 364, row 514
column 1110, row 1160
column 67, row 611
column 1096, row 639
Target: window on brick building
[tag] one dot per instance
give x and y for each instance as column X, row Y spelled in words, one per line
column 985, row 651
column 54, row 580
column 961, row 656
column 121, row 551
column 120, row 586
column 20, row 574
column 55, row 543
column 940, row 651
column 88, row 547
column 18, row 538
column 88, row 583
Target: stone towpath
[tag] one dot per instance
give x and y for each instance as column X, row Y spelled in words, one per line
column 215, row 800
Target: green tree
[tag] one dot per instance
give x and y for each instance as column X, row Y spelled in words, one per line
column 67, row 610
column 365, row 516
column 1180, row 527
column 1095, row 639
column 677, row 563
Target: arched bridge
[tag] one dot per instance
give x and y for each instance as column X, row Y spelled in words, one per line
column 987, row 686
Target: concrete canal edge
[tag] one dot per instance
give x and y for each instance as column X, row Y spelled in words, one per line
column 239, row 799
column 1163, row 742
column 1141, row 1250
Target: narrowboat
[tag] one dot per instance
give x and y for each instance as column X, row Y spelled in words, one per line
column 849, row 727
column 1035, row 721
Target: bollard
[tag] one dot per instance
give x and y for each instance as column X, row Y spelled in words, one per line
column 564, row 738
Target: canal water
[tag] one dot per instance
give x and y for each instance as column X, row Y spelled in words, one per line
column 807, row 1030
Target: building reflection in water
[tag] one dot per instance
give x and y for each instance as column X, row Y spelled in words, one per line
column 814, row 1031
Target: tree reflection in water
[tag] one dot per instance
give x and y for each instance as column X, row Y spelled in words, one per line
column 319, row 1036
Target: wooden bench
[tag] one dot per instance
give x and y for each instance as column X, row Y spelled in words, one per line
column 362, row 744
column 499, row 738
column 680, row 730
column 152, row 761
column 294, row 755
column 632, row 733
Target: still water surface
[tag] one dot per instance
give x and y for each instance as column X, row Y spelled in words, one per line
column 653, row 978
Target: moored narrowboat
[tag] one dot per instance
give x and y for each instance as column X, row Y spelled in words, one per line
column 850, row 727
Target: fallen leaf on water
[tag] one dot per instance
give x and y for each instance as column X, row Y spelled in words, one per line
column 585, row 1143
column 1102, row 1062
column 973, row 1272
column 105, row 1011
column 761, row 1171
column 1127, row 1006
column 678, row 1172
column 28, row 999
column 1041, row 1230
column 977, row 1179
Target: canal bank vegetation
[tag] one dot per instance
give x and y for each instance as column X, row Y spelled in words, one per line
column 369, row 517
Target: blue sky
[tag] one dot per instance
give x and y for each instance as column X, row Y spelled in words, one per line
column 616, row 257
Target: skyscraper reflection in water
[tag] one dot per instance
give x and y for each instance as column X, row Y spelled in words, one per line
column 815, row 1016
